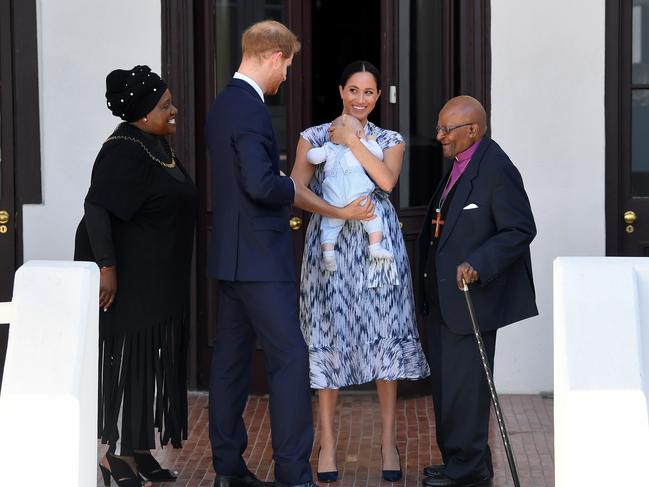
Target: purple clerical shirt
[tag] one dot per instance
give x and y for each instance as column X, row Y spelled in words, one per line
column 461, row 162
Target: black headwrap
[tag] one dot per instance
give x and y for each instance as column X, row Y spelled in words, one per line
column 131, row 94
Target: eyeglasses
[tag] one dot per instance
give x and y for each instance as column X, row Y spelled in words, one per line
column 447, row 130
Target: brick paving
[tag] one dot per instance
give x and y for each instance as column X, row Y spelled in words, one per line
column 528, row 418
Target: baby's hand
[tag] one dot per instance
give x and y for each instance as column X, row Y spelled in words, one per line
column 371, row 138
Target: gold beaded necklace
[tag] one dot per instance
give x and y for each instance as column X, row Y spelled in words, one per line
column 169, row 165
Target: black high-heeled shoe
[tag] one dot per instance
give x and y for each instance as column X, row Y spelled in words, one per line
column 150, row 469
column 121, row 471
column 392, row 475
column 326, row 477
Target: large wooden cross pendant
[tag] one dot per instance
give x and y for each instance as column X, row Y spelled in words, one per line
column 438, row 222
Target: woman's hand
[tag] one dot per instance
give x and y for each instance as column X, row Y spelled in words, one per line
column 107, row 286
column 384, row 173
column 343, row 134
column 360, row 209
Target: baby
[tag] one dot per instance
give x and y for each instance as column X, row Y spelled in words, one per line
column 345, row 180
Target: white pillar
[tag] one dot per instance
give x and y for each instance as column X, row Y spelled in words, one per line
column 48, row 403
column 601, row 365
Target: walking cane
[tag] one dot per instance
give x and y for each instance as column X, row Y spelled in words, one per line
column 492, row 387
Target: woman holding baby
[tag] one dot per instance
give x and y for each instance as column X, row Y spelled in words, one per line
column 357, row 312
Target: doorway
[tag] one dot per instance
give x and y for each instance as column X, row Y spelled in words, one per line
column 20, row 162
column 7, row 199
column 627, row 123
column 416, row 46
column 340, row 35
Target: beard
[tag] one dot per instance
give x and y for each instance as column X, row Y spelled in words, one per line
column 274, row 88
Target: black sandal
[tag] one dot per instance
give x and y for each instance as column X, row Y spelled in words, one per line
column 150, row 469
column 121, row 471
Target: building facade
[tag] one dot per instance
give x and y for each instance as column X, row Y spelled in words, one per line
column 563, row 82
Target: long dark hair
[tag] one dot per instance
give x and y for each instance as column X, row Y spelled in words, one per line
column 360, row 67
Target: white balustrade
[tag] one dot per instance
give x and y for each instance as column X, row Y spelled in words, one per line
column 601, row 371
column 48, row 402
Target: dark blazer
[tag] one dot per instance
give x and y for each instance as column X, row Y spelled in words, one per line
column 251, row 239
column 494, row 238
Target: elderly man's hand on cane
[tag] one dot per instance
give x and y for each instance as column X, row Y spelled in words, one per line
column 467, row 273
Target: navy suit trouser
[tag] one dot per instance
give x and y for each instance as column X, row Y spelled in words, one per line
column 267, row 311
column 461, row 398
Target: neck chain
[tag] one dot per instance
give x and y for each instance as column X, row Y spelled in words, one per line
column 438, row 222
column 443, row 196
column 169, row 165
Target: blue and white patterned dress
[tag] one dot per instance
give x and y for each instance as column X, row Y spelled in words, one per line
column 359, row 321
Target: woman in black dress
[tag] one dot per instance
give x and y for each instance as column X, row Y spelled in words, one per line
column 139, row 228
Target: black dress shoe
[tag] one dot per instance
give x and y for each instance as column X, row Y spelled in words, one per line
column 441, row 480
column 326, row 477
column 392, row 475
column 149, row 469
column 247, row 480
column 433, row 470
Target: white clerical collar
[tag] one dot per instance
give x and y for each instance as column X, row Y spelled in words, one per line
column 251, row 82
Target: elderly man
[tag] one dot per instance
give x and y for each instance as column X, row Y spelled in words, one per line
column 478, row 227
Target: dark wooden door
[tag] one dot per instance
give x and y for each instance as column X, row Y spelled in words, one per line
column 426, row 51
column 431, row 52
column 405, row 40
column 20, row 162
column 416, row 86
column 218, row 27
column 7, row 197
column 627, row 125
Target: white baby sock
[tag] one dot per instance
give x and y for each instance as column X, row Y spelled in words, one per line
column 378, row 252
column 329, row 257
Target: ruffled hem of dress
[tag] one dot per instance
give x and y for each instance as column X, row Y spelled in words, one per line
column 381, row 359
column 144, row 372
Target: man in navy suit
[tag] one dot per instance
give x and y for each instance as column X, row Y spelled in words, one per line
column 251, row 257
column 478, row 227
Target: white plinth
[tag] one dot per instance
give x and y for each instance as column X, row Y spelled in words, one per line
column 48, row 403
column 601, row 360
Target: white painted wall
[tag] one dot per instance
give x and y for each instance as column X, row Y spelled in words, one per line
column 79, row 43
column 548, row 115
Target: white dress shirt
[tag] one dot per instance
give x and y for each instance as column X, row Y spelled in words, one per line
column 251, row 82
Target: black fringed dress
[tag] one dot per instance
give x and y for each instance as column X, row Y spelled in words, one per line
column 140, row 217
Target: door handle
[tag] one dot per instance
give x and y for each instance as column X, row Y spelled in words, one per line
column 4, row 219
column 295, row 223
column 629, row 218
column 392, row 94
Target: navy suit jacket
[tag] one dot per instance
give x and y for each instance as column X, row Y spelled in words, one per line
column 494, row 238
column 250, row 238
